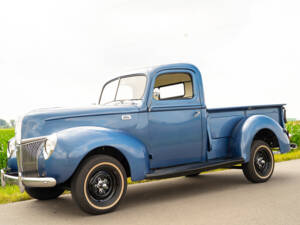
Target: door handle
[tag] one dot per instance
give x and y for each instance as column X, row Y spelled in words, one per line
column 197, row 114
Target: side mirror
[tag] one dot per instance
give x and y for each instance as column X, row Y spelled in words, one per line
column 156, row 94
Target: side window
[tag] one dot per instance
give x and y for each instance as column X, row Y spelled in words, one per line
column 173, row 86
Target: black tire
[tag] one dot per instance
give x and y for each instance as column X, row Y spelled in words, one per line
column 44, row 193
column 261, row 165
column 99, row 185
column 193, row 175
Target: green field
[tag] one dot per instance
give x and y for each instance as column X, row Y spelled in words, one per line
column 12, row 193
column 5, row 135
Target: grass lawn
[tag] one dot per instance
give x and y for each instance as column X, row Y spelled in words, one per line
column 293, row 154
column 12, row 194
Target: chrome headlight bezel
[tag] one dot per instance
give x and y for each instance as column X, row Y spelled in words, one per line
column 11, row 147
column 49, row 146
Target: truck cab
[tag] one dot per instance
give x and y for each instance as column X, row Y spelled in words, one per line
column 149, row 124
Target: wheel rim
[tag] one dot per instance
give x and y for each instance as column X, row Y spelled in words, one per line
column 263, row 162
column 102, row 184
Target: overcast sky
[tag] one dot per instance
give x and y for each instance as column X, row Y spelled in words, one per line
column 59, row 53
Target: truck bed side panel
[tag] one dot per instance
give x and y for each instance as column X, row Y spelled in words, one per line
column 221, row 123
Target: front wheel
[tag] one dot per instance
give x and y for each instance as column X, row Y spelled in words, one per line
column 44, row 193
column 193, row 175
column 99, row 185
column 261, row 165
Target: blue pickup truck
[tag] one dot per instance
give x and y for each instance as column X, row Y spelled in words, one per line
column 149, row 124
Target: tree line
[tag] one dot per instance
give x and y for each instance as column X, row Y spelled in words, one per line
column 5, row 124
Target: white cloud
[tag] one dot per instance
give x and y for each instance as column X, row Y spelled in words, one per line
column 55, row 53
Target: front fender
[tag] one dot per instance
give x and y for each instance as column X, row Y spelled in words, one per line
column 75, row 143
column 245, row 131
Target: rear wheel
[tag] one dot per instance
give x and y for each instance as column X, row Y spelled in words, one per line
column 99, row 185
column 261, row 165
column 44, row 193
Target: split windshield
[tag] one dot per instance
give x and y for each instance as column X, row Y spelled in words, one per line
column 123, row 89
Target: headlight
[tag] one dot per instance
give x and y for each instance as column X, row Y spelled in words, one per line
column 11, row 147
column 49, row 146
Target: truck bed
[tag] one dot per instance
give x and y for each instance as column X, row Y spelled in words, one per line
column 221, row 122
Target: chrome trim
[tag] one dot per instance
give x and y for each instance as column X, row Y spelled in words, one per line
column 20, row 183
column 21, row 180
column 197, row 114
column 28, row 157
column 2, row 178
column 26, row 181
column 10, row 152
column 18, row 129
column 126, row 117
column 49, row 145
column 34, row 139
column 18, row 156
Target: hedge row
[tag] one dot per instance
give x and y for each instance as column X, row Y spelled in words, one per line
column 294, row 130
column 5, row 135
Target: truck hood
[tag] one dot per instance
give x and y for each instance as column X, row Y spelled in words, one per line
column 65, row 113
column 43, row 122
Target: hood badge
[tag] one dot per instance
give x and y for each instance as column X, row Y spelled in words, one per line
column 126, row 117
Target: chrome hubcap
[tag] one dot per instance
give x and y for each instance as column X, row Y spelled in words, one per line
column 261, row 162
column 102, row 185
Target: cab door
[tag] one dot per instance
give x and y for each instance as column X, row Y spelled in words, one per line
column 175, row 119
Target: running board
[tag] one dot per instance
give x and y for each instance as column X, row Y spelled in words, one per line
column 187, row 169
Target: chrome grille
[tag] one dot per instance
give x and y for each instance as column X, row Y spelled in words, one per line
column 30, row 153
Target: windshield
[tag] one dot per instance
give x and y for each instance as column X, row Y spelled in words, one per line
column 124, row 89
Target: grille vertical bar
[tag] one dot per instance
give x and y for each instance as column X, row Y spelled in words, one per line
column 29, row 158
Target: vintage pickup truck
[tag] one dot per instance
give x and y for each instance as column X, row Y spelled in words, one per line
column 149, row 124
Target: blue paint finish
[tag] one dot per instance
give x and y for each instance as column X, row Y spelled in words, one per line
column 219, row 149
column 245, row 131
column 168, row 131
column 46, row 121
column 223, row 125
column 175, row 132
column 271, row 112
column 180, row 68
column 239, row 108
column 75, row 143
column 176, row 138
column 223, row 122
column 12, row 163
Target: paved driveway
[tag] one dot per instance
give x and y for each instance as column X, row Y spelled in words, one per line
column 216, row 198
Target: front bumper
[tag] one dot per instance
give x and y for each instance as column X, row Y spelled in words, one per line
column 21, row 181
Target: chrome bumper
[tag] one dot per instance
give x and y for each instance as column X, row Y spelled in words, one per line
column 26, row 181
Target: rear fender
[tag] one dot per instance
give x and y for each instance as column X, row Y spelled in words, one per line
column 243, row 135
column 75, row 143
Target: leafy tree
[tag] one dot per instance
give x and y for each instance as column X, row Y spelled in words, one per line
column 3, row 124
column 13, row 123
